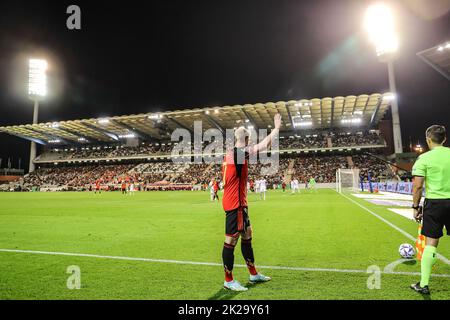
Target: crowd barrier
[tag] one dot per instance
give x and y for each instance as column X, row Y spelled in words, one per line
column 391, row 186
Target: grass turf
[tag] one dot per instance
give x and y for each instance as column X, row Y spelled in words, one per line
column 312, row 230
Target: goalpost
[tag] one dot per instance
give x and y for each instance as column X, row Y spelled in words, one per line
column 347, row 179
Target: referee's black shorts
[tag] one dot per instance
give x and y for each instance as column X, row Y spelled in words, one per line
column 236, row 221
column 436, row 216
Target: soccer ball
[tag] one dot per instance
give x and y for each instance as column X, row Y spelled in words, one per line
column 407, row 251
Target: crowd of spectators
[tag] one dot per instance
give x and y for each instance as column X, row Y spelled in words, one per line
column 302, row 167
column 321, row 168
column 378, row 169
column 313, row 141
column 304, row 142
column 356, row 139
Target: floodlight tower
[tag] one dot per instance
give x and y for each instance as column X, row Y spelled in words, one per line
column 379, row 24
column 37, row 90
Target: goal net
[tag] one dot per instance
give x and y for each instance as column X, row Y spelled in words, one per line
column 347, row 179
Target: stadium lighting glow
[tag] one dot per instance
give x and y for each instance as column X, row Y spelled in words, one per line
column 250, row 127
column 389, row 97
column 54, row 125
column 54, row 141
column 81, row 139
column 303, row 124
column 129, row 135
column 103, row 121
column 207, row 111
column 351, row 121
column 379, row 24
column 37, row 78
column 442, row 47
column 418, row 148
column 303, row 104
column 155, row 116
column 216, row 111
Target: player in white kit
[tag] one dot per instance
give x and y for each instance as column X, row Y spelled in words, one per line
column 262, row 189
column 131, row 189
column 295, row 186
column 211, row 189
column 257, row 185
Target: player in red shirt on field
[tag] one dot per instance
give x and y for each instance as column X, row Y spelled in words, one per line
column 97, row 187
column 216, row 190
column 124, row 187
column 234, row 201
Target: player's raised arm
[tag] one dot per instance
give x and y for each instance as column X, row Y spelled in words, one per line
column 267, row 140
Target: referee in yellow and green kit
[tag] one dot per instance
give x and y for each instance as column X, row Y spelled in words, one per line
column 433, row 169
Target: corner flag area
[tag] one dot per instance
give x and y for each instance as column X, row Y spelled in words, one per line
column 159, row 245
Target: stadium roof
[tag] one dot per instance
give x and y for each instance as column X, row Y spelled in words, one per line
column 438, row 58
column 362, row 111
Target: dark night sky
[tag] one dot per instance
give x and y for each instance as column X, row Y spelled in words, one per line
column 144, row 56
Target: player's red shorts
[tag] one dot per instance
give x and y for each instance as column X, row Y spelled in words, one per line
column 236, row 221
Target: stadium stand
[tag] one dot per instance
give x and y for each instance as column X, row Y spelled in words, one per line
column 317, row 137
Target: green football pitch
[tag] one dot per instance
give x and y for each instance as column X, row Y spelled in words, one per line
column 168, row 245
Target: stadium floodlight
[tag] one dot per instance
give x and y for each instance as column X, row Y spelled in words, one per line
column 37, row 90
column 380, row 25
column 37, row 78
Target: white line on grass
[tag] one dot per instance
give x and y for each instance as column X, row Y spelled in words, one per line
column 406, row 234
column 87, row 255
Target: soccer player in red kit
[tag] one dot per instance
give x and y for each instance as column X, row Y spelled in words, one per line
column 234, row 201
column 216, row 190
column 97, row 187
column 124, row 187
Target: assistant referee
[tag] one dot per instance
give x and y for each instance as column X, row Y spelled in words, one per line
column 433, row 169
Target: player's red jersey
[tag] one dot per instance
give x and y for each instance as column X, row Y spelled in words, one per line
column 235, row 179
column 215, row 186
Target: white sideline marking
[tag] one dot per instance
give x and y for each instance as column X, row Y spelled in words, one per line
column 214, row 264
column 381, row 195
column 406, row 234
column 407, row 213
